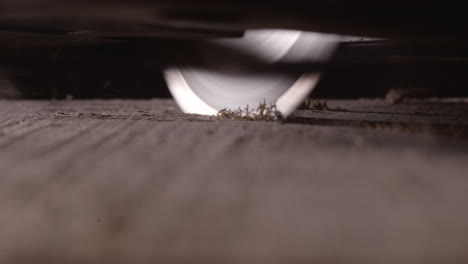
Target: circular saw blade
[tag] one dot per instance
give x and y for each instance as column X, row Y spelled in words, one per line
column 207, row 91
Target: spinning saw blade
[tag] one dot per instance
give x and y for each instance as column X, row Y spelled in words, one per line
column 207, row 91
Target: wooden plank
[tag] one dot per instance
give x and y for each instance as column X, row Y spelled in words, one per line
column 140, row 182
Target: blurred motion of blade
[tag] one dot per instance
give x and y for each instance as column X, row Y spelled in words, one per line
column 207, row 91
column 416, row 20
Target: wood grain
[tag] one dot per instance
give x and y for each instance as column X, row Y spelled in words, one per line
column 140, row 182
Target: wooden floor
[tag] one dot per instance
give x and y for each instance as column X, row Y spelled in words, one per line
column 139, row 182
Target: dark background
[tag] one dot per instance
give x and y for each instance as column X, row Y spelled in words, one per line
column 133, row 69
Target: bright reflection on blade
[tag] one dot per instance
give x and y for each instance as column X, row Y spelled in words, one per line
column 187, row 100
column 267, row 45
column 202, row 91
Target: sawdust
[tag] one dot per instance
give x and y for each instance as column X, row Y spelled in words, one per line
column 321, row 106
column 263, row 112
